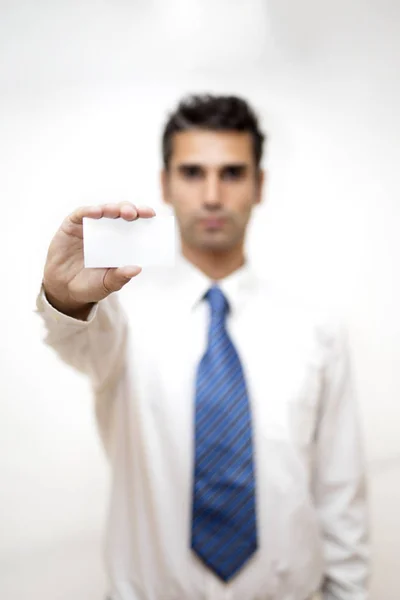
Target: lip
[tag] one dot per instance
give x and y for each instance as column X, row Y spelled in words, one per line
column 213, row 222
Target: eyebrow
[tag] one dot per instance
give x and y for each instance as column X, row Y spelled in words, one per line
column 229, row 165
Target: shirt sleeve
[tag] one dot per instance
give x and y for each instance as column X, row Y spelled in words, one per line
column 95, row 347
column 340, row 482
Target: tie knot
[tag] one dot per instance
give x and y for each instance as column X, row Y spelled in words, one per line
column 218, row 302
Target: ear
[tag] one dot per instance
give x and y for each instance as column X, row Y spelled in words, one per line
column 164, row 181
column 261, row 178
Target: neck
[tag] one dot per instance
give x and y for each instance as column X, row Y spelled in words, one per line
column 215, row 264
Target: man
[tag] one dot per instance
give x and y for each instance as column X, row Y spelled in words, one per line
column 225, row 406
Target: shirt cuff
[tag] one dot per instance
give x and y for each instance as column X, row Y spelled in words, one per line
column 52, row 315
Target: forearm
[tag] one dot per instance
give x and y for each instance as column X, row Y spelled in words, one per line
column 94, row 345
column 340, row 481
column 344, row 528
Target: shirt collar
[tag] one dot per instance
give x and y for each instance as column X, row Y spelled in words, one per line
column 194, row 284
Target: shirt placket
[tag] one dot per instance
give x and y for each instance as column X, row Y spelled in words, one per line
column 216, row 591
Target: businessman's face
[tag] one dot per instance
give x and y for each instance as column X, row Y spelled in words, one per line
column 212, row 183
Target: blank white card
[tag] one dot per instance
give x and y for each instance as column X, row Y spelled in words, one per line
column 117, row 242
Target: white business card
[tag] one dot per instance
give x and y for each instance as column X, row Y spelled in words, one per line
column 118, row 243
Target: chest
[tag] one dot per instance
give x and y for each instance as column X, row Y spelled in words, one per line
column 282, row 362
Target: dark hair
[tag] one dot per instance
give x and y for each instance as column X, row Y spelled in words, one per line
column 215, row 113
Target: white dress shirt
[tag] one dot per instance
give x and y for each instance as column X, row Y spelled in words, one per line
column 310, row 485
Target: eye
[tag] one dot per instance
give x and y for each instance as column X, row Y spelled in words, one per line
column 191, row 171
column 233, row 172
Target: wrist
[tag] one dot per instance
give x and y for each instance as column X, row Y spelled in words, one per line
column 69, row 308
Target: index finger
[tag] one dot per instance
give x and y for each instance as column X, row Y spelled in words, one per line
column 94, row 212
column 145, row 212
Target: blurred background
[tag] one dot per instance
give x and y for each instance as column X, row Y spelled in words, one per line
column 85, row 87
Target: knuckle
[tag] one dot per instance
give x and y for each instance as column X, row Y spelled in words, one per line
column 105, row 285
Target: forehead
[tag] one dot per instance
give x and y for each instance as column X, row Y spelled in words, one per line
column 211, row 147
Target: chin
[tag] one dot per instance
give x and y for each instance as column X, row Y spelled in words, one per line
column 212, row 241
column 221, row 245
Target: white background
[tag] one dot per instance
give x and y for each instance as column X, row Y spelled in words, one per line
column 85, row 87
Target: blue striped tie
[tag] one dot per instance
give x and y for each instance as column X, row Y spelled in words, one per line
column 224, row 532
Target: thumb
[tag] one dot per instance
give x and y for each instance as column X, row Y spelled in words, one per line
column 115, row 279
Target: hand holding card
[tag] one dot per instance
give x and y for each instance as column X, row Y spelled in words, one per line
column 69, row 286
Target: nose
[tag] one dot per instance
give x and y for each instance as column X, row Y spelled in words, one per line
column 212, row 195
